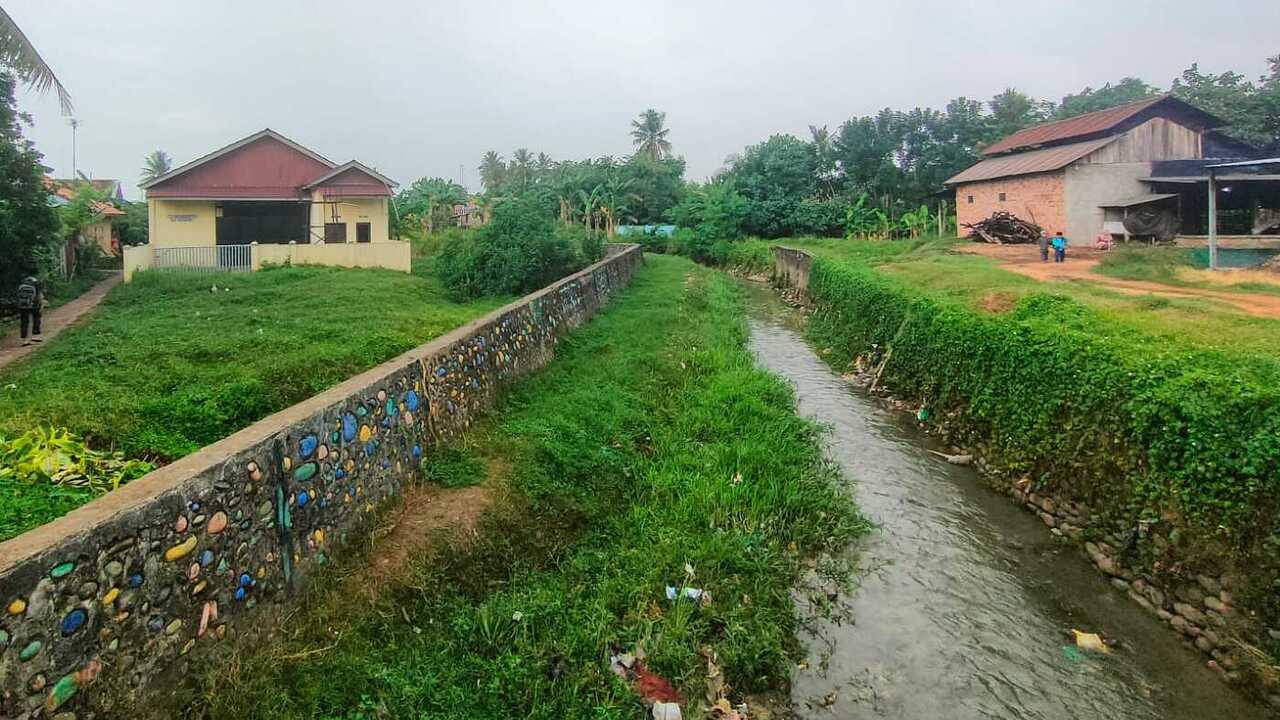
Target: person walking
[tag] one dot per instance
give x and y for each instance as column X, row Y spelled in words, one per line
column 1059, row 247
column 30, row 307
column 1044, row 246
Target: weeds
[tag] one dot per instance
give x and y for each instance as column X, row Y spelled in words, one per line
column 652, row 452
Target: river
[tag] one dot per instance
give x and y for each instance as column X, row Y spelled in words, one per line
column 966, row 602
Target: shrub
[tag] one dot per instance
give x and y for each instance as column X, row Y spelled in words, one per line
column 518, row 251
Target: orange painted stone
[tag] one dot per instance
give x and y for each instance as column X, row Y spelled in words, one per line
column 217, row 523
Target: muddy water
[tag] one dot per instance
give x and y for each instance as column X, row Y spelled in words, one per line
column 966, row 601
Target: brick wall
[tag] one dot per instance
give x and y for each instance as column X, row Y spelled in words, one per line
column 1040, row 198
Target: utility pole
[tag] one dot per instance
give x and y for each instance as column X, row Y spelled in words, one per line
column 75, row 124
column 1213, row 220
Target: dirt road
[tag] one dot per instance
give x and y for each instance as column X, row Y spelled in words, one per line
column 1080, row 265
column 56, row 320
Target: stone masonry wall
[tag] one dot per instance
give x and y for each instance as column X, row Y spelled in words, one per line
column 1040, row 198
column 141, row 579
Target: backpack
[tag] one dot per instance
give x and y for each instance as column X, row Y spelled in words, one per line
column 27, row 293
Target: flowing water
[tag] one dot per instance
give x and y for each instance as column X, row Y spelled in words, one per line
column 966, row 603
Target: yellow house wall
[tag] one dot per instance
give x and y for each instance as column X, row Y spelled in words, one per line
column 165, row 231
column 391, row 255
column 137, row 257
column 350, row 212
column 100, row 234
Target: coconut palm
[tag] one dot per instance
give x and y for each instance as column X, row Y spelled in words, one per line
column 521, row 167
column 492, row 170
column 18, row 54
column 649, row 135
column 156, row 164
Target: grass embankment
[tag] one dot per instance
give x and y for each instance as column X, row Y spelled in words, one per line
column 1150, row 426
column 1184, row 267
column 650, row 443
column 167, row 365
column 979, row 282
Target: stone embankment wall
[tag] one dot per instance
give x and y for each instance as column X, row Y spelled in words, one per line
column 1202, row 609
column 136, row 582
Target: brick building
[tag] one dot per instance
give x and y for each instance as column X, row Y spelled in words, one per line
column 1065, row 175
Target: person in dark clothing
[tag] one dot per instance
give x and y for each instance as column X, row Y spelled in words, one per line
column 30, row 306
column 1044, row 246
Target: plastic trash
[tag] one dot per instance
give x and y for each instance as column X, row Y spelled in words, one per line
column 1091, row 642
column 691, row 593
column 666, row 711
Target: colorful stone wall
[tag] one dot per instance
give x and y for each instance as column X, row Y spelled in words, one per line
column 138, row 581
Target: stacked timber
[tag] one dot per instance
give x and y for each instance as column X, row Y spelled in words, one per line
column 1004, row 228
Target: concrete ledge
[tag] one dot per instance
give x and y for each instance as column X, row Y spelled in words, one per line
column 135, row 582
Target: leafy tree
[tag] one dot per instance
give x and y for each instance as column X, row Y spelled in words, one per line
column 656, row 186
column 1229, row 96
column 132, row 226
column 27, row 224
column 493, row 171
column 517, row 251
column 428, row 203
column 649, row 135
column 824, row 159
column 19, row 55
column 1126, row 90
column 155, row 164
column 1013, row 110
column 781, row 167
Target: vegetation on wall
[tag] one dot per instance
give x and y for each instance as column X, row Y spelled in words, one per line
column 1182, row 442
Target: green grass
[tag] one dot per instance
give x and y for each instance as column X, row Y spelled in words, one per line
column 650, row 443
column 1152, row 264
column 930, row 266
column 167, row 366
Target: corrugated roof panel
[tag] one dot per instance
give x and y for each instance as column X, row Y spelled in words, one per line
column 266, row 167
column 1098, row 122
column 1026, row 163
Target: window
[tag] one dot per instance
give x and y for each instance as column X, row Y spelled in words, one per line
column 970, row 199
column 363, row 233
column 335, row 232
column 1002, row 197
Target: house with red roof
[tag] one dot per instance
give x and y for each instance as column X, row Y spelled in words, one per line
column 267, row 191
column 1082, row 175
column 99, row 230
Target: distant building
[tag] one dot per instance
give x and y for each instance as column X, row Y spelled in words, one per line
column 1086, row 173
column 100, row 230
column 469, row 215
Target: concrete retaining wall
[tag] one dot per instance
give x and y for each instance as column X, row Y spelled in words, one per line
column 141, row 579
column 791, row 267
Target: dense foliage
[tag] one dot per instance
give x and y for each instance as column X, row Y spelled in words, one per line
column 28, row 226
column 1182, row 440
column 519, row 250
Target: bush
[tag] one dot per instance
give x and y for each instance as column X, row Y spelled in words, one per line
column 518, row 251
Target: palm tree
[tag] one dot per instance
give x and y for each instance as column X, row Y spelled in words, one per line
column 522, row 167
column 649, row 136
column 589, row 202
column 492, row 170
column 156, row 164
column 18, row 54
column 613, row 203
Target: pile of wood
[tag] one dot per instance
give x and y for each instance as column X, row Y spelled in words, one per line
column 1004, row 228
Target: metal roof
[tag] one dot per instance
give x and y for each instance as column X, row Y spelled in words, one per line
column 266, row 133
column 1192, row 179
column 1093, row 123
column 1026, row 163
column 1247, row 163
column 1137, row 200
column 356, row 167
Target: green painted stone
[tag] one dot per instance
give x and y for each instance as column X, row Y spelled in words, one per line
column 31, row 650
column 63, row 691
column 62, row 570
column 305, row 472
column 4, row 638
column 223, row 566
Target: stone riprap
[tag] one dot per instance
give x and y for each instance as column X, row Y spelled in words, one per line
column 133, row 584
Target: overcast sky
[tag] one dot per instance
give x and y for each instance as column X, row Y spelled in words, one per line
column 418, row 88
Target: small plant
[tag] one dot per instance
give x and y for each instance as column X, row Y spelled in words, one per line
column 56, row 456
column 454, row 468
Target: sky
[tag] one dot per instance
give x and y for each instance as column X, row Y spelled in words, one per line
column 424, row 89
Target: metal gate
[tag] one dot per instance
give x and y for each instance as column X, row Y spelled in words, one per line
column 219, row 258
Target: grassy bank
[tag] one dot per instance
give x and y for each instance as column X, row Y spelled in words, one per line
column 650, row 453
column 167, row 365
column 1160, row 429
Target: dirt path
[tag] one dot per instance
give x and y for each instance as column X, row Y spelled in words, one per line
column 1080, row 265
column 56, row 320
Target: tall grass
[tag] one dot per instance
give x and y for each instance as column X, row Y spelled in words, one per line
column 652, row 446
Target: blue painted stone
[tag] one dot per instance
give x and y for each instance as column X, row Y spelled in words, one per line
column 441, row 372
column 385, row 463
column 417, row 452
column 240, row 593
column 349, row 427
column 246, row 580
column 411, row 400
column 195, row 506
column 156, row 623
column 340, row 473
column 305, row 472
column 307, row 446
column 206, row 558
column 135, row 580
column 73, row 621
column 303, row 497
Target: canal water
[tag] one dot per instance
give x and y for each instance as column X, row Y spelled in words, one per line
column 966, row 602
